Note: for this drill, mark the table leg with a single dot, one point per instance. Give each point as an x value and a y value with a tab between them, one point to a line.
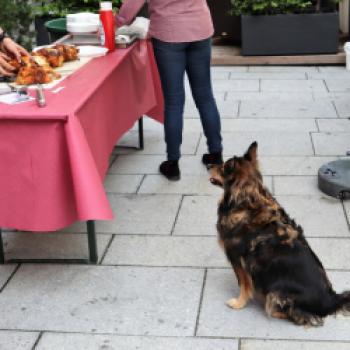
93	255
2	256
141	143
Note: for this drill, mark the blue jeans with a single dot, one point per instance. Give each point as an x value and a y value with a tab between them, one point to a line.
173	60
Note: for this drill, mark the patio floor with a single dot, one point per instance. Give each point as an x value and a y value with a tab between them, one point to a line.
162	281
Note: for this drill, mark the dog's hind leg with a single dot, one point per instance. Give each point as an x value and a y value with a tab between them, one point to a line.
246	289
306	319
276	306
282	307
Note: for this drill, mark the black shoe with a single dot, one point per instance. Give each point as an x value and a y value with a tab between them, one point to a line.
212	159
170	169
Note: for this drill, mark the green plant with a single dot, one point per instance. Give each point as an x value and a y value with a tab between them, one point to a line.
16	19
61	8
266	7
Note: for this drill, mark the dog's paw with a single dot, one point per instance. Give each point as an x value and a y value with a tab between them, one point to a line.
235	303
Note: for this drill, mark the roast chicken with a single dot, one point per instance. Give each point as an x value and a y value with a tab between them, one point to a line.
39	67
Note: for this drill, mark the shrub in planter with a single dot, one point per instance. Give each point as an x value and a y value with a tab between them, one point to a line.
60	8
16	19
280	27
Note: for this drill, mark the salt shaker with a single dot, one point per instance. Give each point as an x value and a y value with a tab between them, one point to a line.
40	96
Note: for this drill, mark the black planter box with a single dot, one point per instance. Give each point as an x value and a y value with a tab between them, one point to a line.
291	34
42	35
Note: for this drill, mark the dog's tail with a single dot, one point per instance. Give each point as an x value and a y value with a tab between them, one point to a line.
343	302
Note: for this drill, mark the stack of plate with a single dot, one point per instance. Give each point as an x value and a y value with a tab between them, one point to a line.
84	22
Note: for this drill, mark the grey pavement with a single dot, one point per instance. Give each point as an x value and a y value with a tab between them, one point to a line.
162	281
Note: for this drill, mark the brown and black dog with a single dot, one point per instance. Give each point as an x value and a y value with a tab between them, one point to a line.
267	249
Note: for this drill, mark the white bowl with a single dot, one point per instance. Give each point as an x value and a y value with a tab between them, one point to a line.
77	28
83	17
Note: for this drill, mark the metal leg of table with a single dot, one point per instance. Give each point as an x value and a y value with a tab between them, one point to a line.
92	244
2	256
93	254
141	143
141	138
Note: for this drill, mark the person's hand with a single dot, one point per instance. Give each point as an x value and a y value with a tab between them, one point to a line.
9	46
5	68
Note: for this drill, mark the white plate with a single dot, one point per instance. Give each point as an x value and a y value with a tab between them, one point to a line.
92	51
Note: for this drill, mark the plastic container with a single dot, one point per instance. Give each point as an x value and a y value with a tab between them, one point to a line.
107	27
347	52
83	22
57	28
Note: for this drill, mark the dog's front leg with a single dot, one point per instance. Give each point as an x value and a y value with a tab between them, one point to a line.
246	289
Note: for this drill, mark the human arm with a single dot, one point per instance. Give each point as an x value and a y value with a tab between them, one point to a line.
128	11
9	47
5	68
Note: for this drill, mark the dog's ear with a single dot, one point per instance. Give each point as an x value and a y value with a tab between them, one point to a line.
229	166
252	153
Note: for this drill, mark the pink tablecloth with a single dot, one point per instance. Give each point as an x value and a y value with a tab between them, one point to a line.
53	160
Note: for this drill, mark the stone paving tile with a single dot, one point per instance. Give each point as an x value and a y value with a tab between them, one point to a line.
332	69
335	85
292	345
296	185
188	185
273	143
343	107
189	165
197	216
332	96
218	320
165	251
24	245
229	68
283	109
341	125
154	142
333	252
219	95
217	75
292	165
289	96
287	69
103	299
269	75
5	272
227	109
320	216
342	75
11	340
260	124
331	143
293	85
136	164
60	341
236	85
137	214
122	183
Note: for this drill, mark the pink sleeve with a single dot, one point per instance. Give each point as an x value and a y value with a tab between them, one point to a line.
128	11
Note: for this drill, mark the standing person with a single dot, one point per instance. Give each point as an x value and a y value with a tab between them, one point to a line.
181	32
8	47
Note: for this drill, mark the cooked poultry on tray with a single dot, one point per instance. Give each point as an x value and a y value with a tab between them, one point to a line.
38	69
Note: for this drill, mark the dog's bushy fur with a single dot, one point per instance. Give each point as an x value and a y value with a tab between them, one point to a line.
267	249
